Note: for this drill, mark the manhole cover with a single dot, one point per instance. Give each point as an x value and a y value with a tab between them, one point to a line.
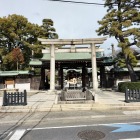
91	135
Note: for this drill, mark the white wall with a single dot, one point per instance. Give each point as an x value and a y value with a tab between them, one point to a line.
20	86
10	86
23	86
124	80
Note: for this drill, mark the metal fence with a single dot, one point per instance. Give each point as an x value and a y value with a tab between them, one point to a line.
14	98
132	95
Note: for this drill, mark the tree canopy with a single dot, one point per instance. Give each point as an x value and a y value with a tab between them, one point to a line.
122	22
17	32
49	31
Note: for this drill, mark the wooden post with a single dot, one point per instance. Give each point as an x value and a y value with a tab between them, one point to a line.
102	76
83	76
61	74
4	98
42	78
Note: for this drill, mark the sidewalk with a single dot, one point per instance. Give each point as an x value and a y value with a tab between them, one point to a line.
111	97
37	101
46	101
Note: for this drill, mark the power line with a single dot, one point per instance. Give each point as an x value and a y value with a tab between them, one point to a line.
78	2
88	3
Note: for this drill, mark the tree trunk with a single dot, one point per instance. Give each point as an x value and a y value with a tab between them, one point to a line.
132	73
17	65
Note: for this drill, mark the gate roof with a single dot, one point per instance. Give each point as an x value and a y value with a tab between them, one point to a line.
69	56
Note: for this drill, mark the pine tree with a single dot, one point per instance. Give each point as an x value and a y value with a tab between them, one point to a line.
49	31
122	22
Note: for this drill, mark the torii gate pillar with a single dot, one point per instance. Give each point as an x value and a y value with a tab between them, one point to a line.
52	68
94	66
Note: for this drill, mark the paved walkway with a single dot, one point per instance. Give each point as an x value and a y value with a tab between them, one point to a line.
46	101
111	97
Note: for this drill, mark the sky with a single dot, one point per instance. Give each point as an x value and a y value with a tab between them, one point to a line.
71	21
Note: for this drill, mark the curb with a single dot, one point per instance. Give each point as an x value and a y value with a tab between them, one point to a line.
70	118
69	107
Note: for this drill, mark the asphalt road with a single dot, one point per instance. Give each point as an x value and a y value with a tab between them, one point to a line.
87	132
75	125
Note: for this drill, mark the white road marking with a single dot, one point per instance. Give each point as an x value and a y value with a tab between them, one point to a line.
131	139
137	112
18	134
58	127
9	133
75	126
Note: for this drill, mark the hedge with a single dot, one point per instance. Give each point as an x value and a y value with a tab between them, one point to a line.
129	85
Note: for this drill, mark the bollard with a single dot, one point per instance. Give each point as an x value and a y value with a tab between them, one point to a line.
4	98
126	95
25	97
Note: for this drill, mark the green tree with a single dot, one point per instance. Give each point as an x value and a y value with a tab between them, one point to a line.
7	62
122	22
18	57
49	32
13	59
16	31
120	60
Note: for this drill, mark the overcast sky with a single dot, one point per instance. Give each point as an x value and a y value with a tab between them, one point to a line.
72	21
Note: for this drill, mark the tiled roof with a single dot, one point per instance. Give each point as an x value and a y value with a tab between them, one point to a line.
70	56
13	73
35	62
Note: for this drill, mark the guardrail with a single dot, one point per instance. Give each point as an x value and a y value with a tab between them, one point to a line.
132	95
14	98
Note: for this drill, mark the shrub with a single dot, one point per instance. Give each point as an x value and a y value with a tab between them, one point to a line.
129	85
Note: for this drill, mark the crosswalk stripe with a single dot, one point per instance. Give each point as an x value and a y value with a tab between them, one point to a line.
18	134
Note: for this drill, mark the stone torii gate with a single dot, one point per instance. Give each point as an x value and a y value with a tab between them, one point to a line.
53	49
